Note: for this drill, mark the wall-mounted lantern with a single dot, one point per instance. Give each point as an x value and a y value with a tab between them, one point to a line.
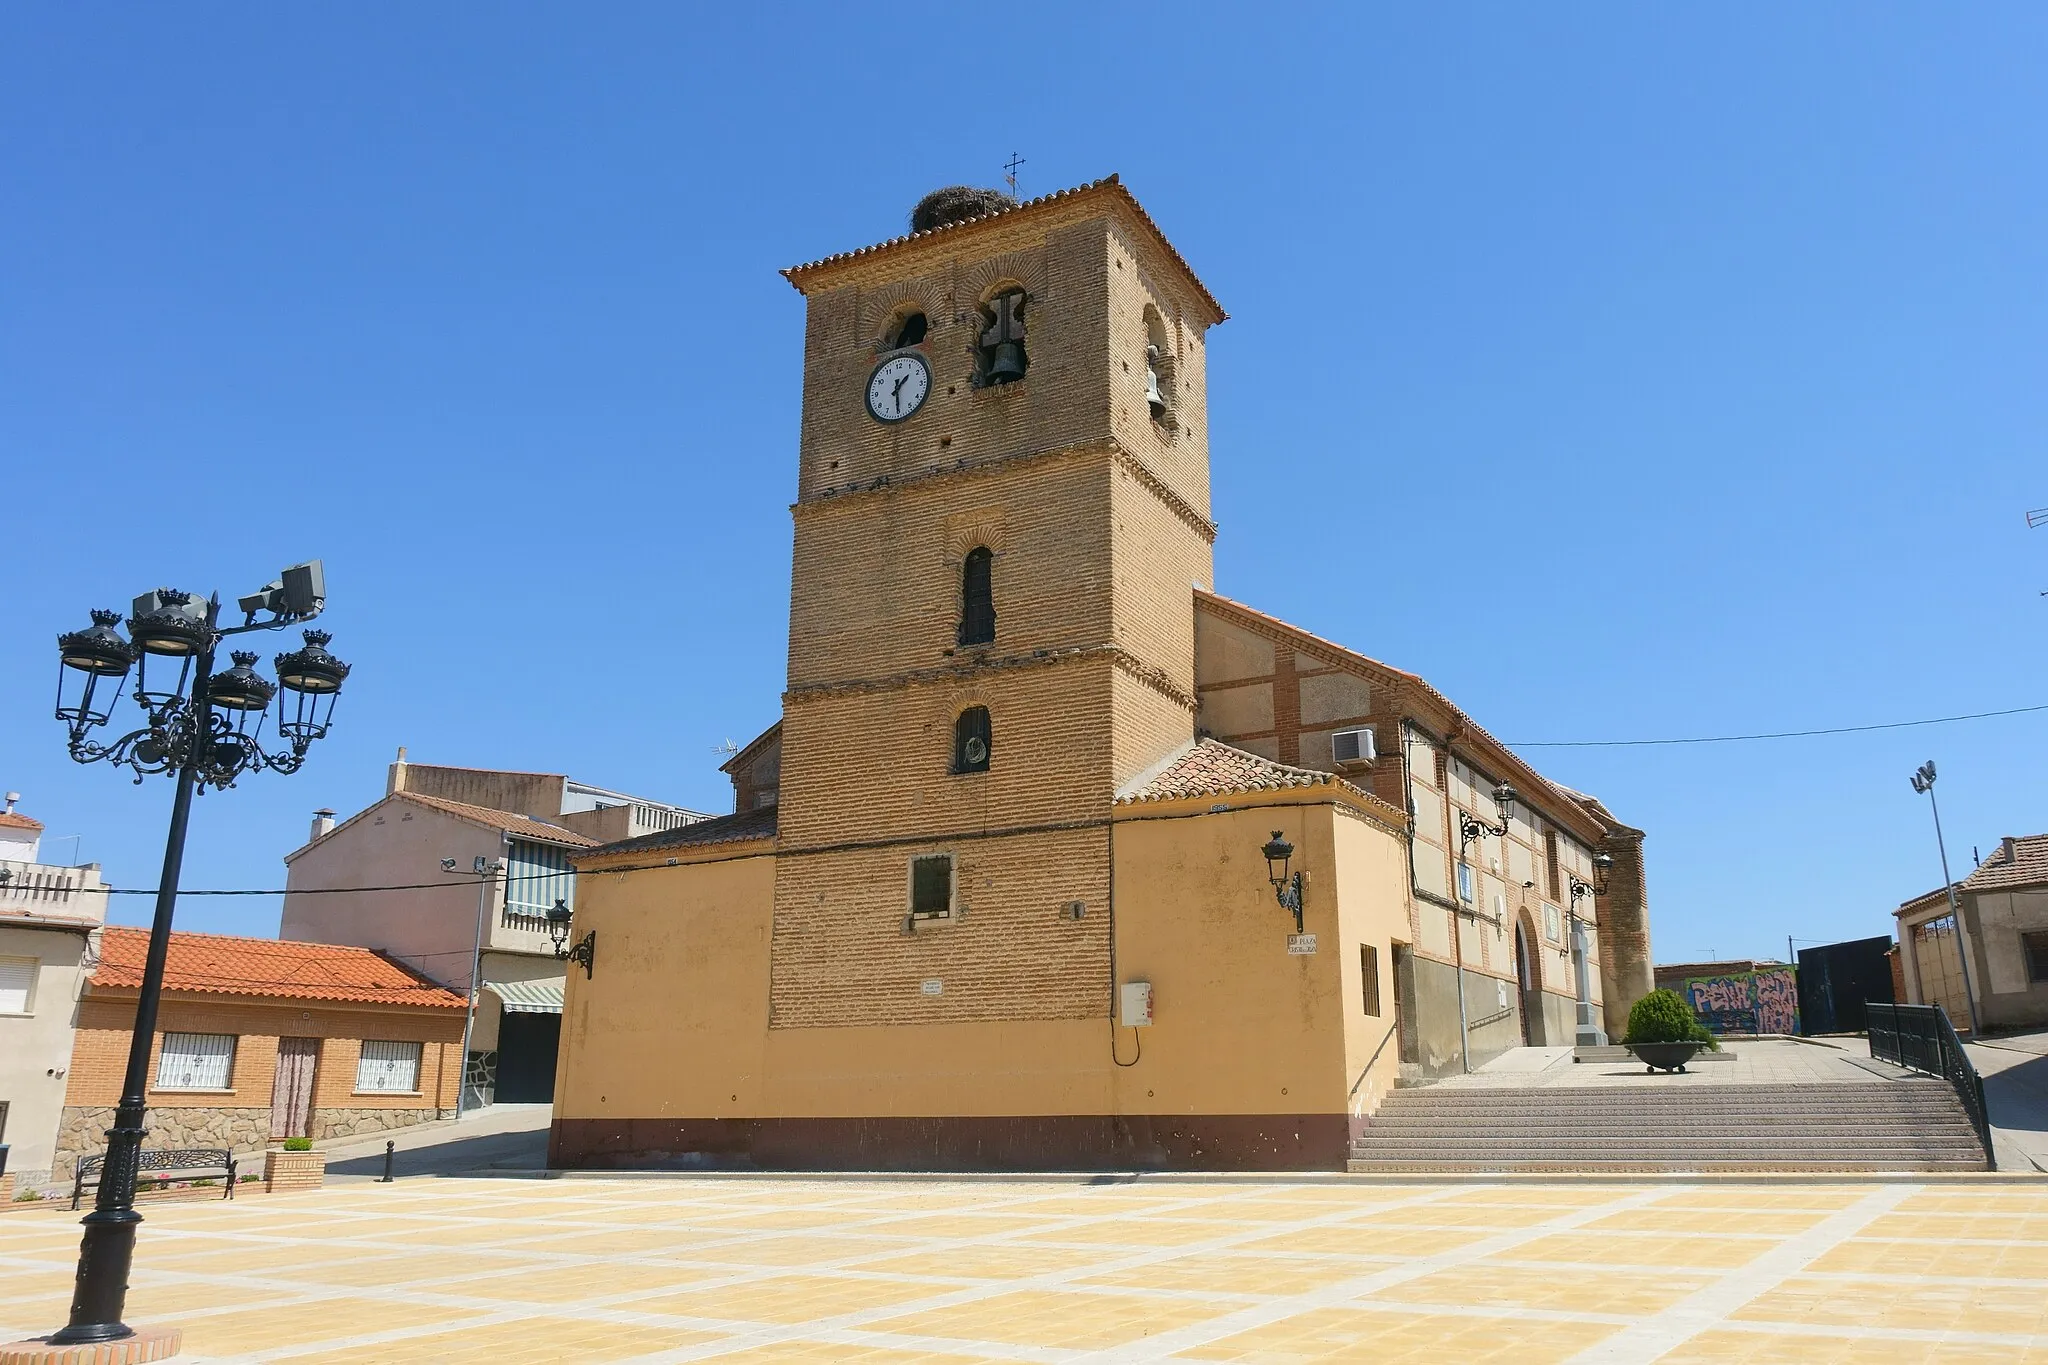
584	954
1286	885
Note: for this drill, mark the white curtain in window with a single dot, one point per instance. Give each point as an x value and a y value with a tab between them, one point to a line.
388	1067
17	984
195	1061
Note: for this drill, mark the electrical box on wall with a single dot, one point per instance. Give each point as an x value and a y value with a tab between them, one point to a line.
1137	1004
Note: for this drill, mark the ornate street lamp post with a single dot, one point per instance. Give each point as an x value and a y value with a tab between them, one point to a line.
206	729
1588	1029
1471	829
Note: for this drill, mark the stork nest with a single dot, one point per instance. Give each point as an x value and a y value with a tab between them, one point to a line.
957	204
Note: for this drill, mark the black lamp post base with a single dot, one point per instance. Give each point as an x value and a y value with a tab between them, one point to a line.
138	1348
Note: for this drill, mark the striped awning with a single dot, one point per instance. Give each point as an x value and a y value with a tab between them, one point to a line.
528	997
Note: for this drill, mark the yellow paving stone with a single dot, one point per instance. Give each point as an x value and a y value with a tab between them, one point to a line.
1367	1239
1805	1348
1002	1262
1349	1334
1496	1217
1777	1224
274	1326
1592	1249
1074	1321
1223	1272
1102	1205
1582	1291
151	1297
1963	1227
528	1342
1764	1198
1987	1260
1535	1196
789	1250
951	1225
1139	1232
1991	1200
839	1354
569	1284
627	1242
1896	1302
780	1219
789	1298
367	1268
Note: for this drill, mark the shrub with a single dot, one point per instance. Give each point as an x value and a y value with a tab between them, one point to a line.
298	1144
28	1197
246	1177
1664	1017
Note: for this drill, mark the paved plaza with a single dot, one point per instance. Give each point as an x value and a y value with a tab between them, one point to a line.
880	1272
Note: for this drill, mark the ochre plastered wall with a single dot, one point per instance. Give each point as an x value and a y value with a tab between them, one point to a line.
677	1024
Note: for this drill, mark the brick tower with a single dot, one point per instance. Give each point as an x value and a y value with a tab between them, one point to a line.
1002	512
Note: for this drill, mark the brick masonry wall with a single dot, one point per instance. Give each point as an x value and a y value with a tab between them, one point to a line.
232	1117
1626	973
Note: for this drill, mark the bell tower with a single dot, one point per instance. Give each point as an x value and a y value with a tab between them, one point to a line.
1002	513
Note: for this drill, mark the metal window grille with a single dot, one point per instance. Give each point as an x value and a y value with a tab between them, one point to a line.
17	984
386	1066
195	1061
931	886
1369	974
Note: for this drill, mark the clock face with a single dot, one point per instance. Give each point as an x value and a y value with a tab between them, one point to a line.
898	386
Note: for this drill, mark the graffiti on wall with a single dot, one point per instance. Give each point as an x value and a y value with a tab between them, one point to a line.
1747	1002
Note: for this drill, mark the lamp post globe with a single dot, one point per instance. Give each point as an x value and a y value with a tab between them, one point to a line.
1278	851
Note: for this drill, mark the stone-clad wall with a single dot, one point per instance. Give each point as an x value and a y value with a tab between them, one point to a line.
84	1132
334	1123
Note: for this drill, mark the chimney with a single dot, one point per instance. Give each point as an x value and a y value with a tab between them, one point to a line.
12	798
323	821
2012	855
397	782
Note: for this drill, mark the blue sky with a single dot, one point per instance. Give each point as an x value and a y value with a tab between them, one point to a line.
1628	371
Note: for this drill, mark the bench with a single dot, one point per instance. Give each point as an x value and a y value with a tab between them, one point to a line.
193	1161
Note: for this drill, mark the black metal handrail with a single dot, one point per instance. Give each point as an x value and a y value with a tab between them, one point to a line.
1921	1038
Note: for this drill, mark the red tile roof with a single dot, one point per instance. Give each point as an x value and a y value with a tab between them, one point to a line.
524	826
737	828
1212	768
219	964
2027	865
9	820
1110	184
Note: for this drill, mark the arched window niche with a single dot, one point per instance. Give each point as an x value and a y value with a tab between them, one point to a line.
971	741
907	328
999	355
977	597
1159	369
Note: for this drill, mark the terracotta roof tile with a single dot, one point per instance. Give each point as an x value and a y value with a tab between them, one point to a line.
9	820
2025	865
525	826
1212	768
1110	183
740	827
220	964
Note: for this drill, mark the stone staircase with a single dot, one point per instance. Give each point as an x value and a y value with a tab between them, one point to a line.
1881	1125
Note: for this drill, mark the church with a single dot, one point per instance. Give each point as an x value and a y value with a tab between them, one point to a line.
1058	858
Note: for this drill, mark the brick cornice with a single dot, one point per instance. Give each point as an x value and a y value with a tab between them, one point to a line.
963	670
963	469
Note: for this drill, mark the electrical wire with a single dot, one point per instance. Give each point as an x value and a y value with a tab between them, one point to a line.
1776	734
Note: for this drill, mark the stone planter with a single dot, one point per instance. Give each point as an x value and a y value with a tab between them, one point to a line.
1665	1056
293	1170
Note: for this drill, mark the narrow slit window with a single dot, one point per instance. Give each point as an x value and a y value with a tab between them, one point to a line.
977	598
931	886
971	741
1369	977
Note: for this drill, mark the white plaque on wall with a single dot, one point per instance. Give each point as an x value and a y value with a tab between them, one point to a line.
1300	944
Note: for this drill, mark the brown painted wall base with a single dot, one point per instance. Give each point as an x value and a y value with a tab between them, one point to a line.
1061	1142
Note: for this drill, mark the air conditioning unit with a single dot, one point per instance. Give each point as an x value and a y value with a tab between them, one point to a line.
1353	747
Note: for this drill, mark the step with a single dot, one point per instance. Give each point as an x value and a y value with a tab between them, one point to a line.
1817	1167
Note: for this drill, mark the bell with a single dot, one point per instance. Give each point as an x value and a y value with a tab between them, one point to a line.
1152	388
1007	364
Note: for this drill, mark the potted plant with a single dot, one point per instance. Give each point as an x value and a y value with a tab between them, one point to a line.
294	1167
1665	1034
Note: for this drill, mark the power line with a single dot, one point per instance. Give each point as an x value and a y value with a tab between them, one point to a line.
1775	734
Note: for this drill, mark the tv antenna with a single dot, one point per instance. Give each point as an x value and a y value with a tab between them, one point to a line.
2038	517
725	748
1010	179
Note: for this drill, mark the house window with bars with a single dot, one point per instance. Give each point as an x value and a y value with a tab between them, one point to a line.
195	1061
931	886
388	1068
